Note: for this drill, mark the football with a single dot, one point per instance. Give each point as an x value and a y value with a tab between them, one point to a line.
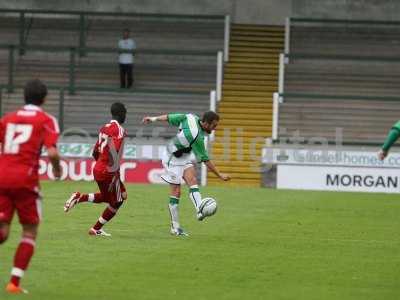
209	207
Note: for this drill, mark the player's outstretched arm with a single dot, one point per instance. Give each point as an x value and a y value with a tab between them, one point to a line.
55	161
149	119
210	165
391	138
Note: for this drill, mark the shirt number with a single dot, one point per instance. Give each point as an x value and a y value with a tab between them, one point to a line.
103	138
16	134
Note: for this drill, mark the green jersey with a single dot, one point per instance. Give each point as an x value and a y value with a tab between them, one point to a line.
190	136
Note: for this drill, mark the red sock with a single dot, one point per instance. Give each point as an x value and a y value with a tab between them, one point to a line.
22	258
107	215
95	198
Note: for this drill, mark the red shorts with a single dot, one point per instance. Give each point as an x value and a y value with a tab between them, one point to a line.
26	202
113	191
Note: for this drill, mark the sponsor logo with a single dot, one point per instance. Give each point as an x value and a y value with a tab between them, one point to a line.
356	180
82	169
382	180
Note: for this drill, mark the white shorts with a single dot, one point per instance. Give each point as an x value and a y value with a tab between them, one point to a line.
174	167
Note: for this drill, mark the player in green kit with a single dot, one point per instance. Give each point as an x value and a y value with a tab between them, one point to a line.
178	159
391	138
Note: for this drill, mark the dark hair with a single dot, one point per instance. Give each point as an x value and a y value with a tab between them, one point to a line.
118	111
210	116
127	30
34	92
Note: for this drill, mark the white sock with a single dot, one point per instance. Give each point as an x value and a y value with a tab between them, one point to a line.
173	211
195	196
90	197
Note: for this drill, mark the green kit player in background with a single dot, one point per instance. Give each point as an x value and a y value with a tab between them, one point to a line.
178	159
391	138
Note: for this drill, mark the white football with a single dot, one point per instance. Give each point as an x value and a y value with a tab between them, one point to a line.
209	207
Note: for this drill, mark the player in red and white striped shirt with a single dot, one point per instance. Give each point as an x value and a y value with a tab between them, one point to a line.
22	135
107	153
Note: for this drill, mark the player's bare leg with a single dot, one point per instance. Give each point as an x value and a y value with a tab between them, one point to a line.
173	206
77	197
190	178
22	258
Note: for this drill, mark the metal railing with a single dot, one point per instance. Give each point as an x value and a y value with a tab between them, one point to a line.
287	35
82	22
316	97
116	14
73	52
63	90
227	37
342	57
343	21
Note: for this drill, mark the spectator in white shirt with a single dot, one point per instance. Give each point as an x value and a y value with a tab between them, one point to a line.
126	47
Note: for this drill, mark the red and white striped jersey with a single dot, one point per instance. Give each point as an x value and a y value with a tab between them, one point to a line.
22	135
108	150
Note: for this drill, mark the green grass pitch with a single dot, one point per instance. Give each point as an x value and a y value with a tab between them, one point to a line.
261	244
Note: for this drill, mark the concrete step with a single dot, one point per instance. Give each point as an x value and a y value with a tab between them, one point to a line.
257	81
260	28
246	69
238	163
252	102
227	88
256	44
255	54
237	175
240	170
262	38
250	146
235	182
250	76
255	60
253	65
245	122
247	132
238	113
254	50
261	33
266	94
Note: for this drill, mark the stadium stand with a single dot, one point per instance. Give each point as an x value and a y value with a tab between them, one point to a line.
348	79
12	101
352	76
103	30
358	121
175	64
339	37
87	109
